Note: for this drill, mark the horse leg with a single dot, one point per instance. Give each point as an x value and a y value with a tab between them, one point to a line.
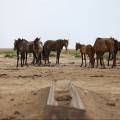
34	57
45	56
37	58
90	59
109	58
97	58
17	58
26	59
82	60
114	59
85	60
40	59
58	56
48	56
21	59
102	61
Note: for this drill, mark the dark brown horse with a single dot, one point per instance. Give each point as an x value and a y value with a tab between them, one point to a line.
86	50
56	45
22	47
103	45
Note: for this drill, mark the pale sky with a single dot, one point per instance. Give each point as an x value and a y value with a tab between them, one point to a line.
79	20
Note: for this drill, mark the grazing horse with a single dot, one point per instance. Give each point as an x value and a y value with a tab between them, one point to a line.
22	47
103	45
86	50
37	49
57	46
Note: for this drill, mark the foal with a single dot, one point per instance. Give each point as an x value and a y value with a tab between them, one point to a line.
86	50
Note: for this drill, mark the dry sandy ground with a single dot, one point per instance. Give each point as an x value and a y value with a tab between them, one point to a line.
24	91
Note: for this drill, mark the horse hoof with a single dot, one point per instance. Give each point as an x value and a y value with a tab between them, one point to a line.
26	64
113	66
80	65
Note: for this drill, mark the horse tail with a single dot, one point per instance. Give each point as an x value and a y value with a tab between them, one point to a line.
115	46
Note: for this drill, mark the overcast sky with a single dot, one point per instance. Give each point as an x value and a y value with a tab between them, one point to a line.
79	20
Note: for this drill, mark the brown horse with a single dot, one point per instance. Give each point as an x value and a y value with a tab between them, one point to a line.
103	45
22	47
56	45
86	50
37	49
110	55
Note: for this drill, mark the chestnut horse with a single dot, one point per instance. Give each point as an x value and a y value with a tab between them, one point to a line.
110	55
86	50
37	49
103	45
56	45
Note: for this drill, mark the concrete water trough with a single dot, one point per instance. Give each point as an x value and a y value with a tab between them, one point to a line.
64	103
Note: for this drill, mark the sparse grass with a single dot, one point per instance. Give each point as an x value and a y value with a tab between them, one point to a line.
118	57
8	53
72	52
53	54
106	55
77	55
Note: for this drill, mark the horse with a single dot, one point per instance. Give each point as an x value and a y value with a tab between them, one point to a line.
86	50
110	55
22	46
103	45
37	49
51	45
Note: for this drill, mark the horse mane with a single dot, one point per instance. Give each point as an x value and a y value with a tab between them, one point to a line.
98	38
80	44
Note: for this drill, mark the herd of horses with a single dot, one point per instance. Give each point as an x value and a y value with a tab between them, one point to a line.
42	52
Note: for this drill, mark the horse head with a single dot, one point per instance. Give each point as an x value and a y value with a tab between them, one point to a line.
77	46
116	44
37	40
37	46
65	42
16	43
